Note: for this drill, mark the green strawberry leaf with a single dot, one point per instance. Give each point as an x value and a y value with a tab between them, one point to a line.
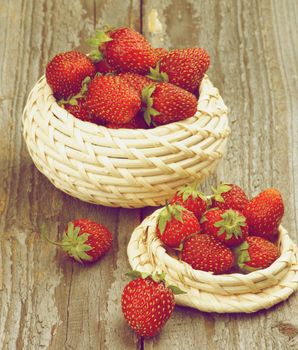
217	192
136	274
176	290
156	75
231	224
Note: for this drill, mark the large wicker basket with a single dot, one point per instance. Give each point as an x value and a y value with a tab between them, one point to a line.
123	168
216	293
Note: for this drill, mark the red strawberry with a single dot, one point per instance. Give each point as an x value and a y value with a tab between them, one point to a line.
103	67
264	213
66	72
137	122
228	226
182	67
167	103
111	100
137	81
229	196
256	253
174	224
85	240
161	53
191	199
79	110
147	305
124	49
204	252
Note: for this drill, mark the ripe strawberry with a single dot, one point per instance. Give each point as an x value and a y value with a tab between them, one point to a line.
228	226
137	81
85	241
161	52
124	49
182	67
256	253
147	304
264	213
111	100
80	111
174	224
191	199
66	72
229	196
137	122
103	67
167	103
204	252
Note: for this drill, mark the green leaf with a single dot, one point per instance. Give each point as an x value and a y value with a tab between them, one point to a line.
176	290
137	274
156	75
73	102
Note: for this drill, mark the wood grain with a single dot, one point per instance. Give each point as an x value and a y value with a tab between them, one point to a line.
48	302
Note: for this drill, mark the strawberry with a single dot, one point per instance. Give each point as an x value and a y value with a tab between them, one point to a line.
137	81
191	199
112	100
137	122
174	224
228	226
264	213
85	241
103	67
166	103
148	302
229	196
124	49
256	253
160	52
66	72
182	67
79	110
204	252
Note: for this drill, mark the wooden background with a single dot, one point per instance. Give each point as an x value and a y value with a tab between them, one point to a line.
48	302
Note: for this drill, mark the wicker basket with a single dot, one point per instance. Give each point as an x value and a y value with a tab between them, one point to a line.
216	293
120	167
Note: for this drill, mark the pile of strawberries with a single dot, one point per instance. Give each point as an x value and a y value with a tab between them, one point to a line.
224	232
126	83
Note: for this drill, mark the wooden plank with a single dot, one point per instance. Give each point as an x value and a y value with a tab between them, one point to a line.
254	65
48	301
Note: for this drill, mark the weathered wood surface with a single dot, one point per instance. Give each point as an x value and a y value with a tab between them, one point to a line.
48	302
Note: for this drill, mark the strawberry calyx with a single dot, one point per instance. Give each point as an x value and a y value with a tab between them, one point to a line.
242	257
73	100
191	190
156	277
217	192
169	212
230	224
100	38
156	75
73	243
147	100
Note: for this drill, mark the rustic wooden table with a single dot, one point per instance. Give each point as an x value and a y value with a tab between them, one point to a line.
49	302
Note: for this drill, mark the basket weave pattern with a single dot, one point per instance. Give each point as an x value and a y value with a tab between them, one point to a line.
216	293
120	167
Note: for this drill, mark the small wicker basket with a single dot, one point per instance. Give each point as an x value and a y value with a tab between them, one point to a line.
121	167
216	293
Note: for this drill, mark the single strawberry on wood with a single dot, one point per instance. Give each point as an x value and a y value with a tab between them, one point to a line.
227	226
124	49
192	199
85	241
174	224
166	103
204	252
112	100
264	213
255	253
182	67
66	72
229	196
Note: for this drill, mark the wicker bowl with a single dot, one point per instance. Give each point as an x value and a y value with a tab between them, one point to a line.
216	293
121	167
